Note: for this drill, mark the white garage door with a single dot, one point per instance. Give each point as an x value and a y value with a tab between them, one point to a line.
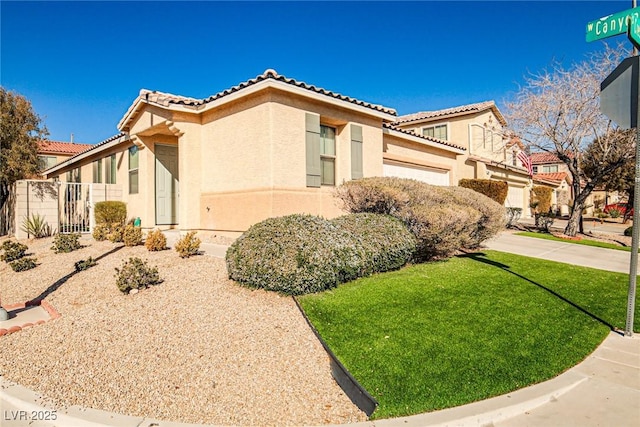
515	197
430	176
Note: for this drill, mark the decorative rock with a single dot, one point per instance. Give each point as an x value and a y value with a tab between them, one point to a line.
133	291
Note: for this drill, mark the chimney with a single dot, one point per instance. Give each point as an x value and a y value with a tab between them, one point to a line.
72	138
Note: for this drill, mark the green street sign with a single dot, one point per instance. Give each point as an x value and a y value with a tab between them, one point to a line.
611	25
634	33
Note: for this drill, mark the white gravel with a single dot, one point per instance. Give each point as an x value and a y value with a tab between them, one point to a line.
197	348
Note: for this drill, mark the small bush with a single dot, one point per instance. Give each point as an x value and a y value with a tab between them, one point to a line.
132	235
85	264
513	216
100	232
23	264
136	274
156	241
542	195
110	212
628	231
615	213
294	255
188	245
116	233
12	251
495	190
36	226
64	243
544	220
385	241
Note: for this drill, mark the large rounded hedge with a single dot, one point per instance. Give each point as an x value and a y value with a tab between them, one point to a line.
299	254
443	219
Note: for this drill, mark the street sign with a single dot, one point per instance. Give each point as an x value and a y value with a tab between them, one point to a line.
611	25
634	33
619	93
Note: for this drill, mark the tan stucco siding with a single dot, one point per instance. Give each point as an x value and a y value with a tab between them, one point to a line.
400	151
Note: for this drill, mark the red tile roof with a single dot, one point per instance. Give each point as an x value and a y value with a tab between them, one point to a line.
58	147
544	157
470	108
553	176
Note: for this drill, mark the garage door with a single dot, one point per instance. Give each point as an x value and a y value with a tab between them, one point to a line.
428	175
515	197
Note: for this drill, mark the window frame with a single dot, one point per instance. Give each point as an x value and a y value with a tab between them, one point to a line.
134	153
43	161
434	127
326	158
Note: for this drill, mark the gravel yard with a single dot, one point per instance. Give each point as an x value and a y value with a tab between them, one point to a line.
196	348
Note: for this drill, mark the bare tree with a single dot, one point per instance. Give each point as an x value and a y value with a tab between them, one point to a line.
558	111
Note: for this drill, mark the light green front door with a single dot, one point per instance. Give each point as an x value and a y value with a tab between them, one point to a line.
167	184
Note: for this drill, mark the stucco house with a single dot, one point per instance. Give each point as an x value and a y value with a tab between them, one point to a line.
50	153
490	152
267	147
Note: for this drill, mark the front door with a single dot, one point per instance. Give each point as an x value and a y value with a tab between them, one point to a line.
167	190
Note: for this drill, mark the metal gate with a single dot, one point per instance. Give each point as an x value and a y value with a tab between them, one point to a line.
75	208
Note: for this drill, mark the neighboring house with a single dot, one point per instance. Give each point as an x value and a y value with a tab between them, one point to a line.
267	147
50	153
490	153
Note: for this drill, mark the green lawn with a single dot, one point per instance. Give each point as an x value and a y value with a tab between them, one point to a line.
585	242
443	334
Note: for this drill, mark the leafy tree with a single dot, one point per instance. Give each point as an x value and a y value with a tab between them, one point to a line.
20	131
558	111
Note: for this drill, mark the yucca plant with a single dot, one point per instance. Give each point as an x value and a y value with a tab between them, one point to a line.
36	226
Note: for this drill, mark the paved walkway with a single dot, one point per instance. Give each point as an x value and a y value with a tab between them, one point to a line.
603	390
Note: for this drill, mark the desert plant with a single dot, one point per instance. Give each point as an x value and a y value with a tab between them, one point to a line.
615	213
110	212
132	235
513	215
628	231
12	250
294	254
23	264
64	243
136	274
156	241
188	245
386	242
443	219
544	220
85	264
100	232
116	233
36	226
495	190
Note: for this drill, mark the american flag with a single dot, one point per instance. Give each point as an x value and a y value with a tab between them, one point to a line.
526	162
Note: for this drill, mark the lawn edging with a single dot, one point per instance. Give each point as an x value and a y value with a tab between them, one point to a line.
351	387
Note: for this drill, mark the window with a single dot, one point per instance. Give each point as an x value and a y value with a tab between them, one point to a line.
437	131
549	168
46	162
327	155
535	169
73	175
97	171
133	170
110	169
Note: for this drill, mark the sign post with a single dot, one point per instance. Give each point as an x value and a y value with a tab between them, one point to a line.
619	100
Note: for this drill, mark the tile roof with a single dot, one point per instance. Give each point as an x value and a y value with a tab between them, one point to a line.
545	157
58	147
553	176
469	108
428	138
166	98
92	147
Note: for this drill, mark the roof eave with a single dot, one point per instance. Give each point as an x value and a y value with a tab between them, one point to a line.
423	141
118	139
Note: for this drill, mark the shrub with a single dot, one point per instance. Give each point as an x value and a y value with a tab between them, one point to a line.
136	274
23	264
156	241
615	213
64	243
100	232
116	233
12	250
513	215
628	231
294	254
36	226
443	219
386	242
542	195
110	212
132	235
188	245
495	190
544	220
85	264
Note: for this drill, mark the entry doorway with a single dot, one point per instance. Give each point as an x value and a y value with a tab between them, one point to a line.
167	184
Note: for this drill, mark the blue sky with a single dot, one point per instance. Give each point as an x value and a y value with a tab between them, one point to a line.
82	64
